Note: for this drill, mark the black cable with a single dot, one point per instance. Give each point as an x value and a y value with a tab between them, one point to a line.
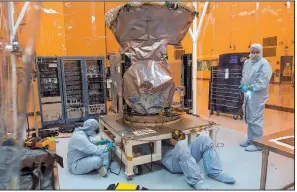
110	161
150	169
220	145
56	123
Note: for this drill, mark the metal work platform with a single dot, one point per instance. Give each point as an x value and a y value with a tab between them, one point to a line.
113	127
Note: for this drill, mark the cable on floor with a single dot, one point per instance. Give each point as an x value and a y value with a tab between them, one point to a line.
151	148
111	160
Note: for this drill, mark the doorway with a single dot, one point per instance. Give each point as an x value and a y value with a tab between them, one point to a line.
286	69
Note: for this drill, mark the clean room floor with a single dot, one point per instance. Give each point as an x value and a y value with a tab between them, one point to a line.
274	121
244	166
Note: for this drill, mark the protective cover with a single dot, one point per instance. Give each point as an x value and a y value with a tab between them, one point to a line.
37	169
143	31
17	52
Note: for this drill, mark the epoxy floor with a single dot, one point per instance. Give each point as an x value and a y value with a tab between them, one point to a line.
244	166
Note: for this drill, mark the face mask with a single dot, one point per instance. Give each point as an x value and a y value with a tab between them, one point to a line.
90	132
255	57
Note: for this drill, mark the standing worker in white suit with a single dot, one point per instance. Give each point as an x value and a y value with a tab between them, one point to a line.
256	75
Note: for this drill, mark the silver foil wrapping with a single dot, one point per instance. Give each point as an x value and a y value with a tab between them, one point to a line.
143	31
148	86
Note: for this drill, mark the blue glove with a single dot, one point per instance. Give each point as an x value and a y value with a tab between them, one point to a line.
103	142
250	91
243	88
110	146
250	88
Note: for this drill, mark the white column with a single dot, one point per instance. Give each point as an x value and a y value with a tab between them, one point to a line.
195	35
13	70
194	62
20	18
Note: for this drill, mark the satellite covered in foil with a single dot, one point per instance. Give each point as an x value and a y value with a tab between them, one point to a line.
143	30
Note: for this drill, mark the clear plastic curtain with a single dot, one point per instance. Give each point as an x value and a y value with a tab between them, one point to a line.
17	50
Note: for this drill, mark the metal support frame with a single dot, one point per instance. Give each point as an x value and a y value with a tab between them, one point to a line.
211	131
125	152
195	35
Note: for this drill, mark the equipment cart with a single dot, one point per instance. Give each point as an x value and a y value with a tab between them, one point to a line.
114	128
224	93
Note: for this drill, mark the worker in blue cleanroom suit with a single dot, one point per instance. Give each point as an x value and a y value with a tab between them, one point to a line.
179	157
184	158
256	75
84	153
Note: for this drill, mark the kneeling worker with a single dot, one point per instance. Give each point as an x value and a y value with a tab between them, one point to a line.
84	153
